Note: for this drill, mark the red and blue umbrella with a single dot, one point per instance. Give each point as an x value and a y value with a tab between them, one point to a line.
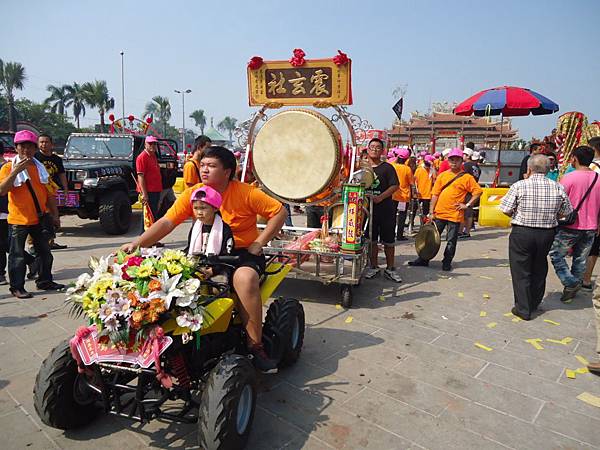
507	101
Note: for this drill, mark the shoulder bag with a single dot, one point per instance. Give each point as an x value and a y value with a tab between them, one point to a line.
46	219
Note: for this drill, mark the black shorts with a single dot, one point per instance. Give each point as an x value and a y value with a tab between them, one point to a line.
384	228
595	251
247	259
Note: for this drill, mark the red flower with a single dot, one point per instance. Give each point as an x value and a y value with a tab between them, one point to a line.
340	59
131	118
255	62
111	117
134	261
148	120
298	58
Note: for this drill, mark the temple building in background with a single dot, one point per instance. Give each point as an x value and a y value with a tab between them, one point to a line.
441	129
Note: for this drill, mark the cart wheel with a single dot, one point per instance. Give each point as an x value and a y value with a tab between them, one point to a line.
347	296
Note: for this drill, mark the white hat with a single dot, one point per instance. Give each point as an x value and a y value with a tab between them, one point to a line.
467	151
446	151
475	156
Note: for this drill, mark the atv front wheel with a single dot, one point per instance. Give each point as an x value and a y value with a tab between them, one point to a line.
115	212
227	405
283	331
60	397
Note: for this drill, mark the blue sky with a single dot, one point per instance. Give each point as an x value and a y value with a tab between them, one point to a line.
441	50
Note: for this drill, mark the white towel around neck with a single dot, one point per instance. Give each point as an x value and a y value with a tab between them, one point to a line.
215	238
23	176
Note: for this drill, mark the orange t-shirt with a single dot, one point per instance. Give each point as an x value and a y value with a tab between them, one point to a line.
191	173
21	209
424	182
405	180
445	208
241	204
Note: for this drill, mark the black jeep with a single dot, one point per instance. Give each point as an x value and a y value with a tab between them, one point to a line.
102	178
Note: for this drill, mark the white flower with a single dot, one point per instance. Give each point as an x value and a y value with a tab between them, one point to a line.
191	321
100	267
190	286
83	282
106	312
153	252
123	307
113	296
112	323
117	272
168	290
185	300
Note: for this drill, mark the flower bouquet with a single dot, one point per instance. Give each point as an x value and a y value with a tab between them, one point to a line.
128	296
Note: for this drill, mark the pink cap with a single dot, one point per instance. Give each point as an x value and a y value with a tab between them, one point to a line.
429	158
403	153
25	136
455	152
151	139
207	195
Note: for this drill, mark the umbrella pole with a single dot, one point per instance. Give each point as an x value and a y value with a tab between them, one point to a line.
499	164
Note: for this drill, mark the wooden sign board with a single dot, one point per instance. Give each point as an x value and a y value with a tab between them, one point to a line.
316	81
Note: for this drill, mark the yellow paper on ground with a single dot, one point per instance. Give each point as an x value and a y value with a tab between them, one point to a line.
482	314
516	319
582	370
590	399
570	373
552	322
582	360
485	277
338	306
461	295
486	295
483	347
381	298
348	319
509	314
491	325
535	343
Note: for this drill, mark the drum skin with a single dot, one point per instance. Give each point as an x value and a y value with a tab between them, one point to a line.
297	156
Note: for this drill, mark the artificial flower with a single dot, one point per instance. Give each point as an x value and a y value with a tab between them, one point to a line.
341	58
123	307
174	268
255	63
106	311
154	285
112	323
190	286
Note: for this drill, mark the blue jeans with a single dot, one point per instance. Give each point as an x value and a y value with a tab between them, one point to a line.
581	242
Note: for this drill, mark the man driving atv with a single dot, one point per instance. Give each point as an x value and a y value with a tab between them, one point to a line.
241	205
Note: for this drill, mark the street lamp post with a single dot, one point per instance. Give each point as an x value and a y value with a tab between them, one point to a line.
182	92
123	82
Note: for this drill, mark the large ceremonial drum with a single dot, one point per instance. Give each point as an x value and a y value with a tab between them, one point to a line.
297	156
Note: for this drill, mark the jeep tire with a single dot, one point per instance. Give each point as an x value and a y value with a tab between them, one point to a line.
115	212
283	331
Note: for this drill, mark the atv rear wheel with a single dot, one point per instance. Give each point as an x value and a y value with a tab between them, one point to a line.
283	331
60	397
227	405
115	212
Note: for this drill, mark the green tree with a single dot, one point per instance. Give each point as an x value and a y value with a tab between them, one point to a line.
199	118
97	96
161	108
12	77
77	99
58	99
522	143
228	124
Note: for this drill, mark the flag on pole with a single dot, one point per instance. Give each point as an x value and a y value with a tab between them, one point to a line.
397	108
148	216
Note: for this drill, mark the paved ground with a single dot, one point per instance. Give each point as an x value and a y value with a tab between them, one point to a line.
399	371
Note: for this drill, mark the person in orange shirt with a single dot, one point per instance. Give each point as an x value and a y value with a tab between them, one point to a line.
191	169
424	179
241	204
402	196
447	202
26	180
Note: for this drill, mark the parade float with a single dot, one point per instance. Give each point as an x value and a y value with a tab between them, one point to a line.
296	153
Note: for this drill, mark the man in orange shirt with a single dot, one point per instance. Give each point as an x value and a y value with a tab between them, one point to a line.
191	169
449	192
402	196
424	179
25	180
241	204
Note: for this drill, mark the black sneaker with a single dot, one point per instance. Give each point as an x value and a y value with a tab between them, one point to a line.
50	286
261	360
446	267
569	293
419	263
56	246
3	281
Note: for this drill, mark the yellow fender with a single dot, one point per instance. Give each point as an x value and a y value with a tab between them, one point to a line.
272	281
216	319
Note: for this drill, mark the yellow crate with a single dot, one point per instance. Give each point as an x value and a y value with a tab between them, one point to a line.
490	214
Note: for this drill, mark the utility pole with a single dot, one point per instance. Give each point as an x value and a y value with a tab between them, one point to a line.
183	92
123	83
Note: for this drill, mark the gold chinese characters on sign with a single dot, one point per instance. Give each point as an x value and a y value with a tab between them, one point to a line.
316	81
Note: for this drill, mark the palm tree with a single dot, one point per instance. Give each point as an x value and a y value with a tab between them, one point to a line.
77	100
199	118
58	99
228	124
12	77
96	96
161	107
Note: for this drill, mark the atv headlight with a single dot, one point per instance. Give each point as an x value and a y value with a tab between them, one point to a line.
80	175
90	182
